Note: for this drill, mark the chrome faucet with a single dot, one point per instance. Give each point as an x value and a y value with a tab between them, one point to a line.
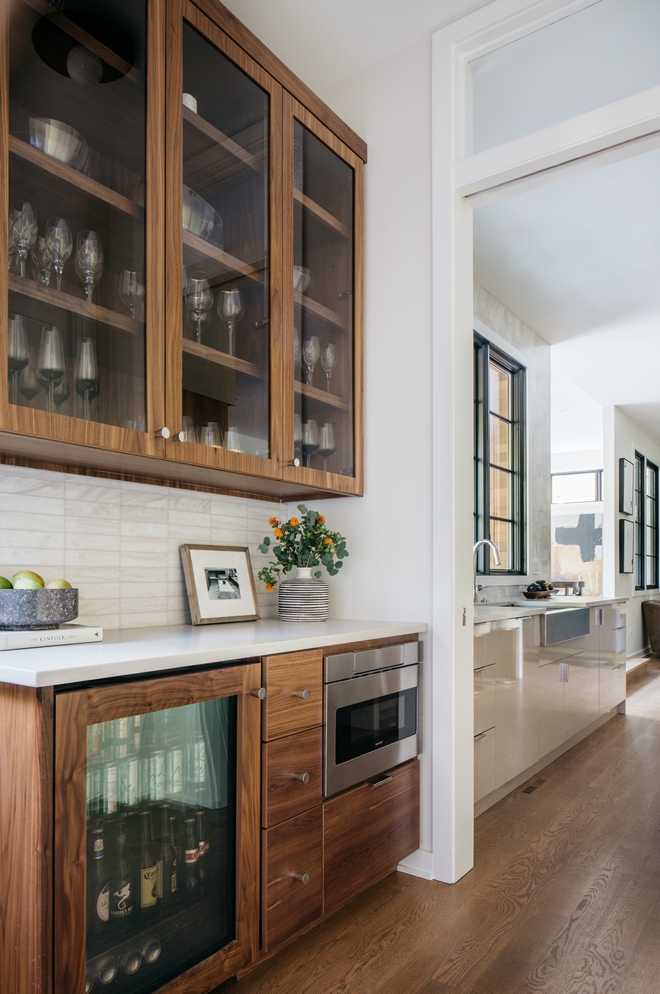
496	557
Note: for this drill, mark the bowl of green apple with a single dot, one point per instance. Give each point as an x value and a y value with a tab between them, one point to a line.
27	603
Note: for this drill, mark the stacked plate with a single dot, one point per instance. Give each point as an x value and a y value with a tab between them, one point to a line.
304	599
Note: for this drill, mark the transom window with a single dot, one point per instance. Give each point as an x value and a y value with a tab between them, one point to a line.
499	458
577	488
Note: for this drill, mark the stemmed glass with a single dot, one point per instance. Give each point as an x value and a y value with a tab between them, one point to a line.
328	361
87	384
42	260
51	359
310	355
131	289
61	392
310	439
27	380
199	300
327	444
24	227
230	307
60	246
297	347
18	352
89	260
297	435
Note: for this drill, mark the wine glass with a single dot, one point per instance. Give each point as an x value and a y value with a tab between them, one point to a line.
131	289
27	378
327	444
199	299
60	245
89	260
24	227
297	347
310	439
51	359
297	435
42	260
328	361
87	384
230	307
310	355
17	350
61	392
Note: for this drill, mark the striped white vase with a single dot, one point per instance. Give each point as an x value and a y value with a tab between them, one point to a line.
304	598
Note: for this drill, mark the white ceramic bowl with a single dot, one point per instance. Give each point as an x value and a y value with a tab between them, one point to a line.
57	139
301	279
199	218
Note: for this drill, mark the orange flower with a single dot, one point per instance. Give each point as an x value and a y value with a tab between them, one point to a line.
293	521
272	521
321	518
328	541
269	587
278	533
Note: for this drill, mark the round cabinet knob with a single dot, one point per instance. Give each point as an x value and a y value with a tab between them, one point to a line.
163	433
303	777
305	694
259	692
294	462
181	436
302	878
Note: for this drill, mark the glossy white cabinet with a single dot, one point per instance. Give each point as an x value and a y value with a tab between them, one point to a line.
517	698
612	657
485	744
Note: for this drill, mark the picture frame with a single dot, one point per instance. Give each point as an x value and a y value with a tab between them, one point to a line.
219	583
626	485
626	545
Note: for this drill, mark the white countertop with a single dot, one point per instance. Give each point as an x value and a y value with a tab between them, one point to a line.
526	608
135	651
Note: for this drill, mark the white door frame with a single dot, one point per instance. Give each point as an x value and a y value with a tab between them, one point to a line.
460	182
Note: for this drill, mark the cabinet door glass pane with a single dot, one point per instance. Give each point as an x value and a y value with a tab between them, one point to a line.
225	252
76	210
323	310
161	868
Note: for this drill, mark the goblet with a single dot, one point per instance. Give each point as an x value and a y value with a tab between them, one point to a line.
60	245
27	379
328	361
89	260
17	350
42	260
310	439
327	444
87	384
51	359
61	391
24	227
199	299
310	355
131	289
230	307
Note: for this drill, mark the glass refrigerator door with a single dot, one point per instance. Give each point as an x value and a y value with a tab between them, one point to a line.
161	865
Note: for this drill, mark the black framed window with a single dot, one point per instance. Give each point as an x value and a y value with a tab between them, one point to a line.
577	487
499	458
645	516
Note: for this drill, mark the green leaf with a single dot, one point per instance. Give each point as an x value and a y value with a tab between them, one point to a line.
302	508
318	574
267	540
339	565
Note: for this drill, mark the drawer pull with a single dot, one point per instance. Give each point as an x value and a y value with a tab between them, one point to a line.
305	694
381	778
481	735
303	777
479	669
302	878
259	692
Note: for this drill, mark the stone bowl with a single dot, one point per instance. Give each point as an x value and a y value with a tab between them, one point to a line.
34	610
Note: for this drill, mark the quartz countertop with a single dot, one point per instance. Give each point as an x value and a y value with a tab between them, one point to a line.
129	652
524	608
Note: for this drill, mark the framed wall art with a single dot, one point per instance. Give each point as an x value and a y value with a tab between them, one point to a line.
626	486
626	545
219	583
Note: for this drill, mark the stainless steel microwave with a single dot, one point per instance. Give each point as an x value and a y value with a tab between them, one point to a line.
372	703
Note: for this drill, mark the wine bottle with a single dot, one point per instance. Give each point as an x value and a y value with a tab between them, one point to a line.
98	887
148	867
191	857
166	860
121	889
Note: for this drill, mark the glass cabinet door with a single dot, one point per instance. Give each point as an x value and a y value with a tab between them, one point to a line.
161	865
326	192
78	273
222	392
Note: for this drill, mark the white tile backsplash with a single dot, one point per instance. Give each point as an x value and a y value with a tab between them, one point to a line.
119	542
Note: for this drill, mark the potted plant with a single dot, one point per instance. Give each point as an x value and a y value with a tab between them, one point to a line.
303	543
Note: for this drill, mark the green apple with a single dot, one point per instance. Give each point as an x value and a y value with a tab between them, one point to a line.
4	583
58	585
25	579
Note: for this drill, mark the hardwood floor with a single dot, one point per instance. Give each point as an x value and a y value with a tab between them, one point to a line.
564	897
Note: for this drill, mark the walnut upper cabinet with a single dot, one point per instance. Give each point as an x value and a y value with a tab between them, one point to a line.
184	268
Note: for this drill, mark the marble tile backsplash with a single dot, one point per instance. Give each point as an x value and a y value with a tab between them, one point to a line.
118	542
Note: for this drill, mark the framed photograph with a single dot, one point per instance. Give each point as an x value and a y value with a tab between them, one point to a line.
626	486
219	583
626	545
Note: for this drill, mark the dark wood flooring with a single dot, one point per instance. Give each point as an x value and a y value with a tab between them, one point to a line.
564	897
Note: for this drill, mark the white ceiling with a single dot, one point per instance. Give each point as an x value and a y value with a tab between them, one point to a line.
579	262
326	41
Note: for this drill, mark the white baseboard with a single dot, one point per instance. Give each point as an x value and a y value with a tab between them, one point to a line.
418	864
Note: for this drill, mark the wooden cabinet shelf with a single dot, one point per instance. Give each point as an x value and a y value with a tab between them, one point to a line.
223	141
75	305
321	396
213	261
319	311
330	222
222	359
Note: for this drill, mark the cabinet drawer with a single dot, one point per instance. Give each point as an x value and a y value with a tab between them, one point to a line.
484	697
289	852
367	831
294	701
286	764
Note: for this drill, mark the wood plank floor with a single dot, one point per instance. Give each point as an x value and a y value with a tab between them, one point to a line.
564	897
